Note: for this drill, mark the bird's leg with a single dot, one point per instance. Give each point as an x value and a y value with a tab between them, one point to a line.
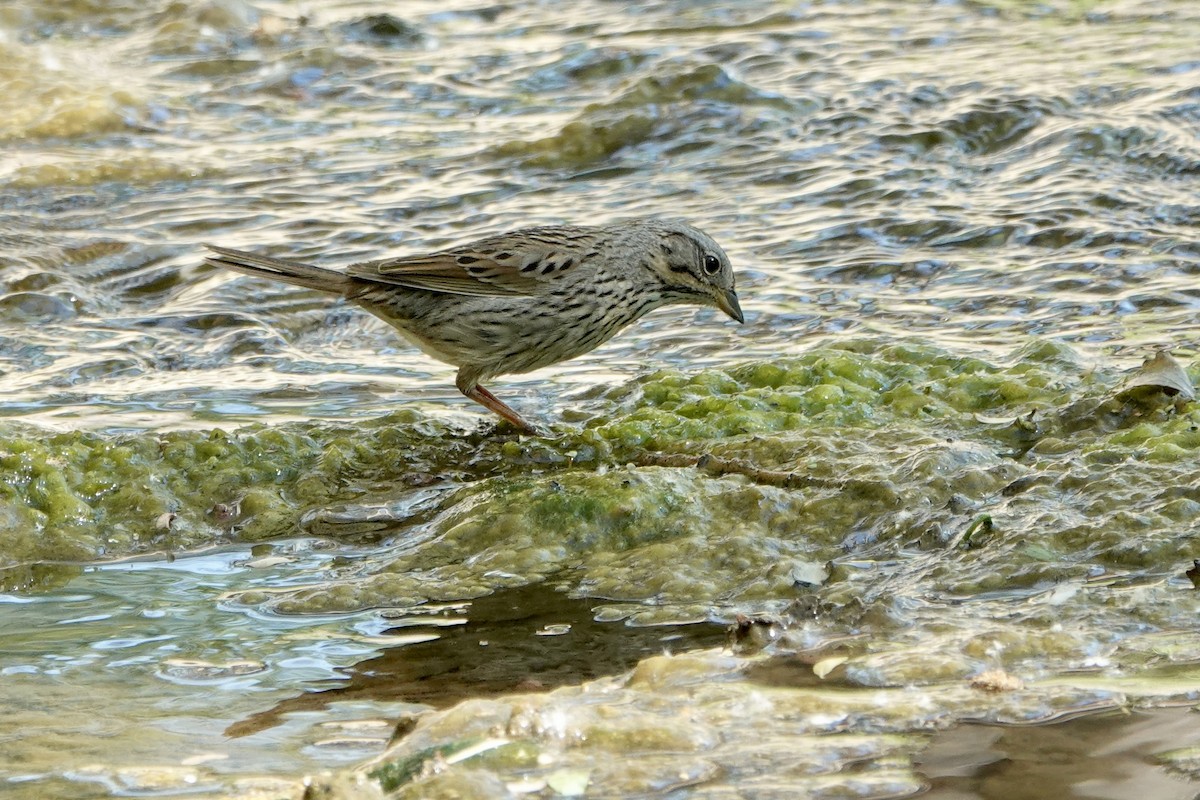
488	400
495	404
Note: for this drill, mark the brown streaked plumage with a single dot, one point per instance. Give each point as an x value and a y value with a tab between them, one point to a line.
522	300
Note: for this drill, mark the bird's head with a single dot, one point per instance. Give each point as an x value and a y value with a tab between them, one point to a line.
692	268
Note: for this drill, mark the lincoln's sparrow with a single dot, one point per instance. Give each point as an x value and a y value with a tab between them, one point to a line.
526	299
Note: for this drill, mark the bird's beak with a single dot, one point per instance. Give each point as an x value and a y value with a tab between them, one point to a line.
727	301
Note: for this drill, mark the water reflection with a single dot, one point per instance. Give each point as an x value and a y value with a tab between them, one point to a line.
1110	756
526	639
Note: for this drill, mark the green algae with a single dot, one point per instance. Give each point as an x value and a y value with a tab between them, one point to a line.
82	495
871	433
838	388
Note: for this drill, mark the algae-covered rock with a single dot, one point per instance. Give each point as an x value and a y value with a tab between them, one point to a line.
73	496
612	529
850	448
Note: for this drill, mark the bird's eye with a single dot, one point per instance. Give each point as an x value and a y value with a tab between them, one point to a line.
712	264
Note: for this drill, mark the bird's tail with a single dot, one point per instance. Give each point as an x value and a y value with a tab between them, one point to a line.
327	280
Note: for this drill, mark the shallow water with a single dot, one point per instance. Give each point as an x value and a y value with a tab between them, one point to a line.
991	203
971	172
135	654
196	694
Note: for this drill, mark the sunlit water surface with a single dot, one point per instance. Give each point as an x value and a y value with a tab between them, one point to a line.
972	173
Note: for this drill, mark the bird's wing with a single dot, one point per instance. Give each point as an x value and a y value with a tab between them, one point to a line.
524	262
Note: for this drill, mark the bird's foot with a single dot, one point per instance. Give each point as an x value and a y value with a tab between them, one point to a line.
492	403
